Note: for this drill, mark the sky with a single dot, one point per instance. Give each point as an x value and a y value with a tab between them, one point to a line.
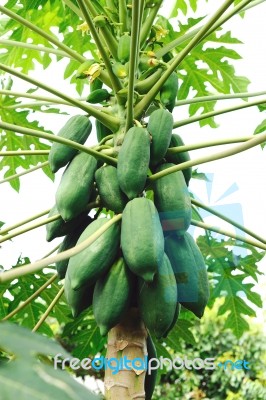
238	183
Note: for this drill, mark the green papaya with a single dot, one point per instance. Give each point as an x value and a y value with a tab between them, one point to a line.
95	84
84	67
70	241
160	127
112	294
172	199
142	239
110	193
101	130
87	266
120	70
78	300
168	92
133	161
157	300
123	48
78	129
176	315
178	158
150	379
97	96
59	227
190	272
76	186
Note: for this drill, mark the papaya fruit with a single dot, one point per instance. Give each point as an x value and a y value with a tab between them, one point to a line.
111	297
190	272
158	299
101	130
150	379
176	315
97	96
168	92
178	158
87	266
171	197
78	300
120	70
78	129
59	227
70	241
142	239
95	85
84	67
110	193
160	127
133	161
76	186
123	48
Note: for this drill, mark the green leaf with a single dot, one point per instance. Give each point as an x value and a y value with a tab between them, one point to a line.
261	128
181	331
26	378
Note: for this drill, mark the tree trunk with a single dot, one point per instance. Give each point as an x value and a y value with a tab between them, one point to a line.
127	340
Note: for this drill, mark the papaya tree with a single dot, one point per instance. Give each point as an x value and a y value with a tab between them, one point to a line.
126	280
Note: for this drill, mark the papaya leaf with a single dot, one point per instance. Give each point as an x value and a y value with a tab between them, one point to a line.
26	378
229	272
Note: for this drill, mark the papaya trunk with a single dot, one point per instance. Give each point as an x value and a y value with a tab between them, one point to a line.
127	341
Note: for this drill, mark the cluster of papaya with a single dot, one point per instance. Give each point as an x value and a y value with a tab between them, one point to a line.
147	259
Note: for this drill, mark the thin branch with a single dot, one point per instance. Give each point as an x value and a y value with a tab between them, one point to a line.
28	171
148	98
36	266
134	50
105	34
255	141
24	153
114	80
36	97
38	224
42	33
213	97
210	143
228	233
146	27
184	38
253	4
109	121
31	298
29	46
74	8
210	114
58	139
229	220
24	221
49	309
52	251
122	6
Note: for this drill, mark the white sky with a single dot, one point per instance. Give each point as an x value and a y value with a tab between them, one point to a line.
245	171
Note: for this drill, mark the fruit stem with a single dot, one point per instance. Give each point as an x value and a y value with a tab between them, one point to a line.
229	220
36	266
122	6
175	62
42	33
147	25
31	298
49	309
228	233
210	114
